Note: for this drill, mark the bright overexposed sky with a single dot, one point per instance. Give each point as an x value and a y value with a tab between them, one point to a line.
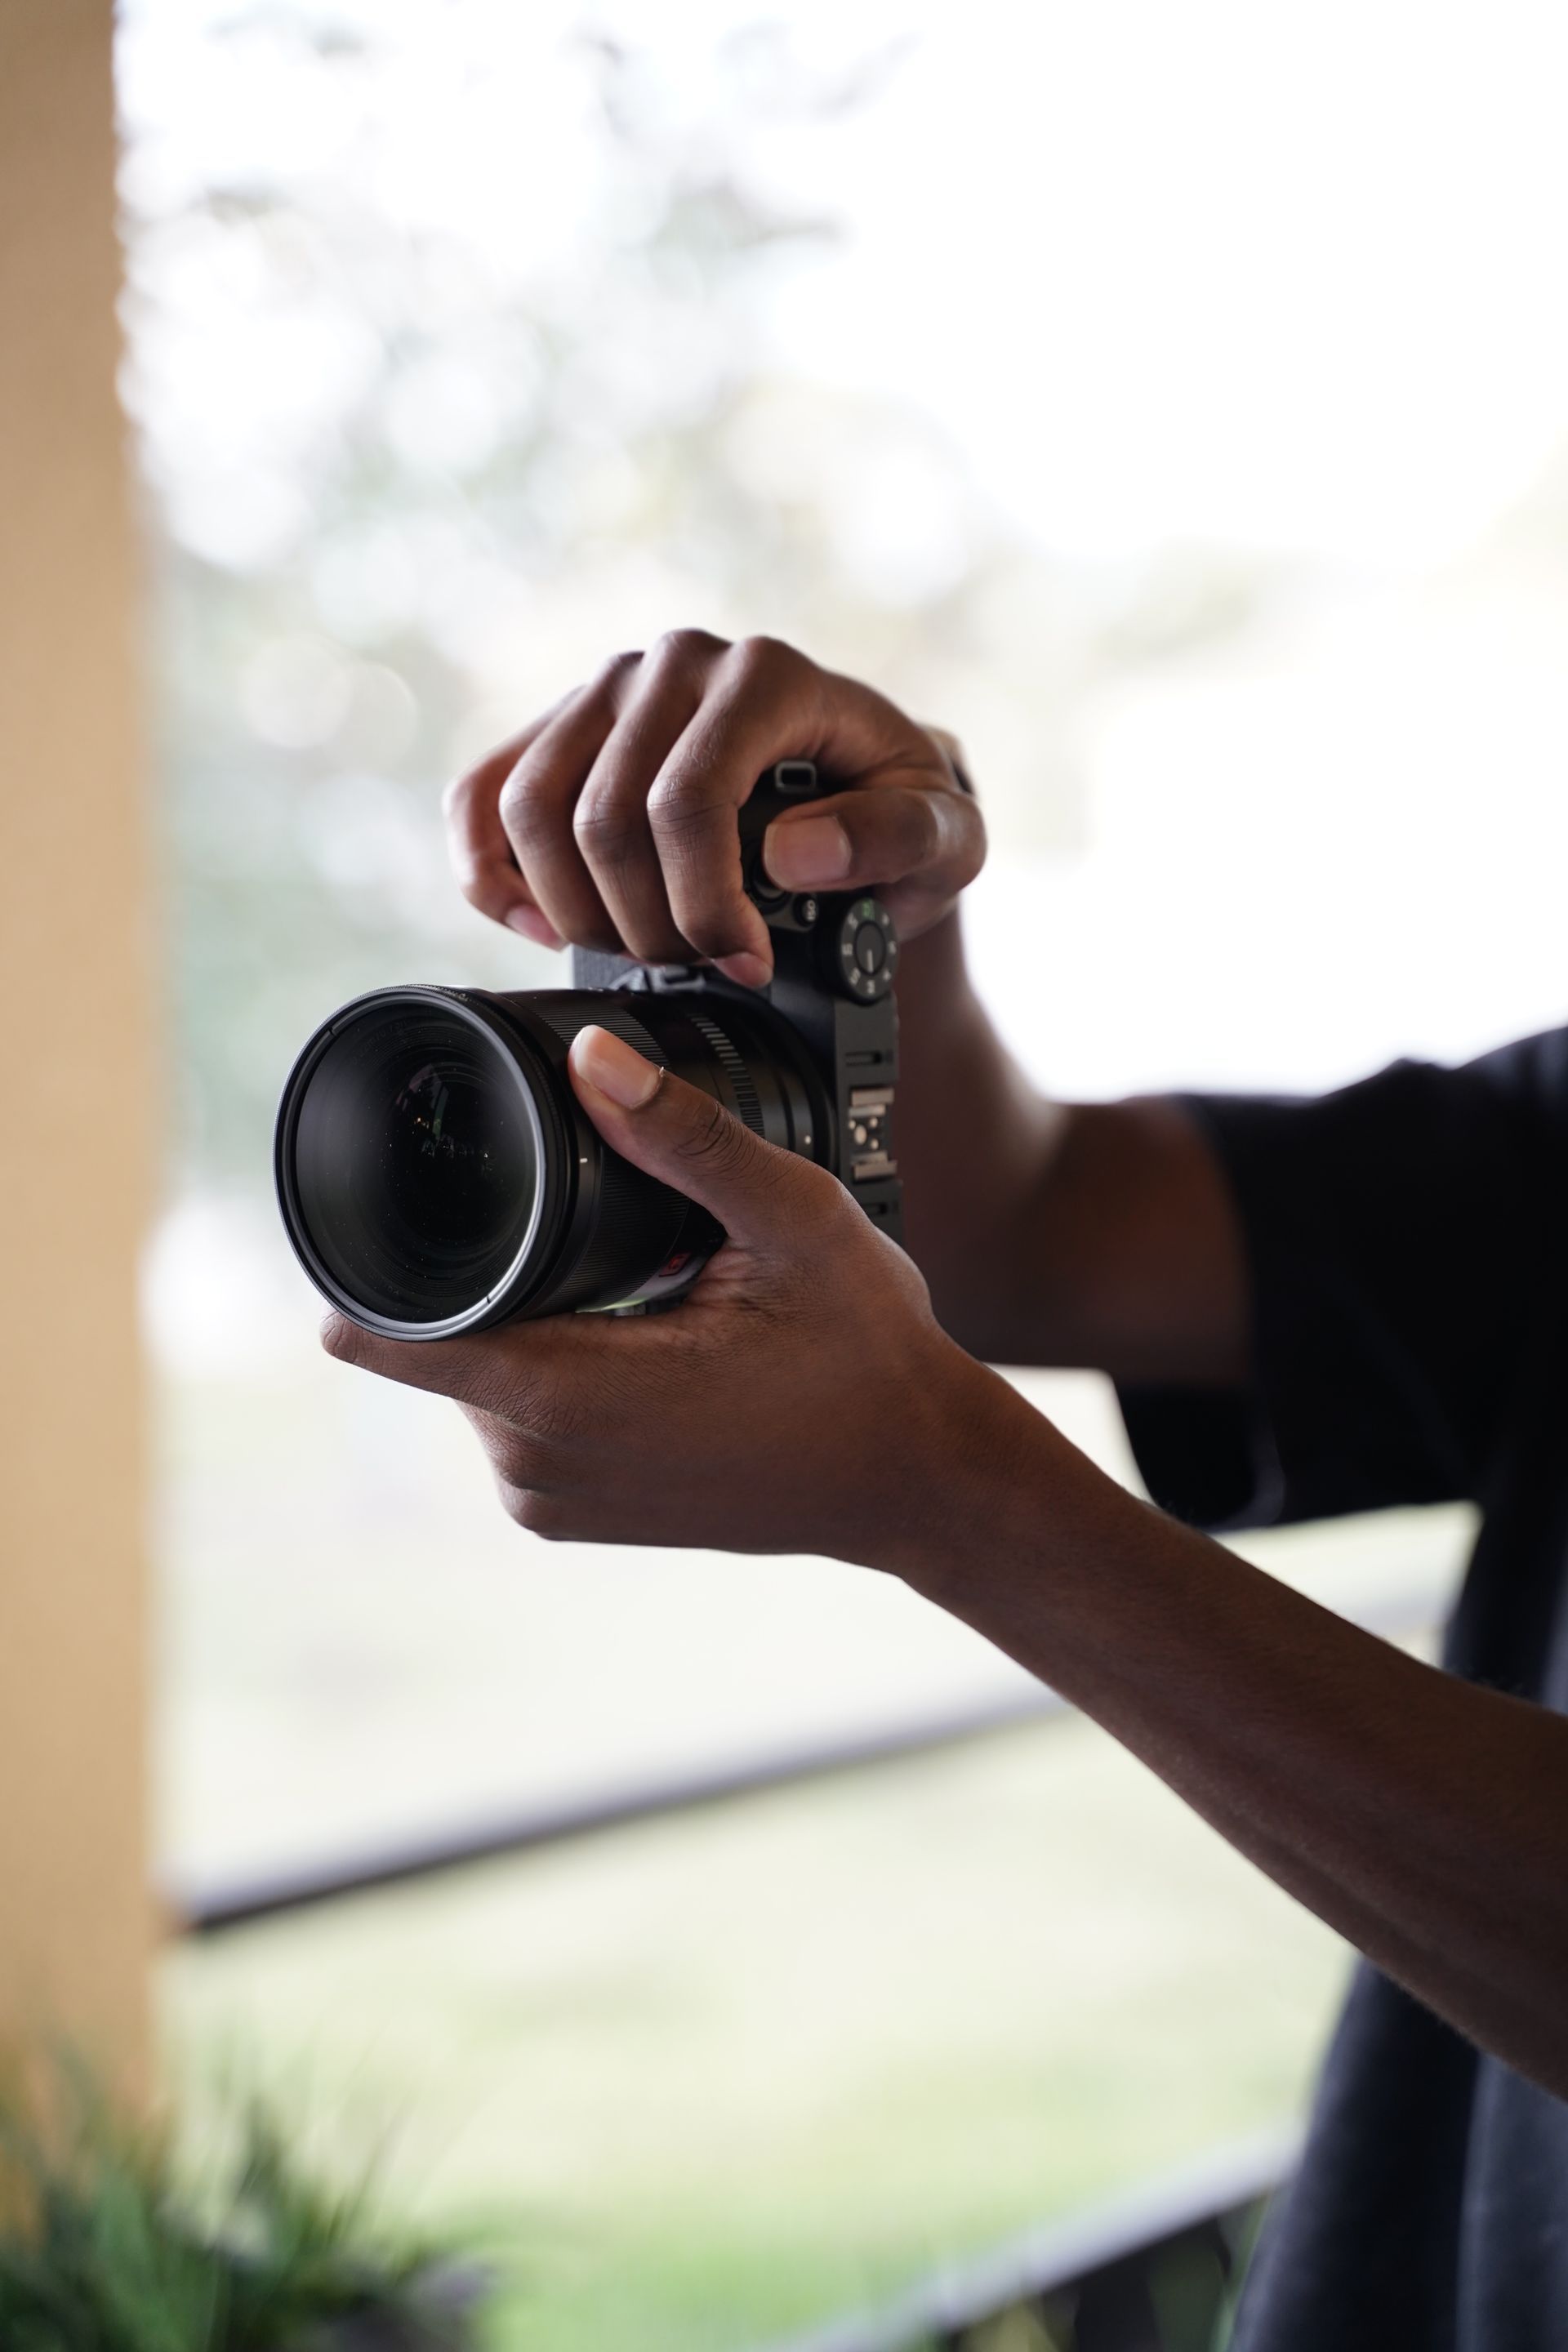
1286	277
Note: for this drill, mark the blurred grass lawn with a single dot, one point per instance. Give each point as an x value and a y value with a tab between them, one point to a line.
714	2078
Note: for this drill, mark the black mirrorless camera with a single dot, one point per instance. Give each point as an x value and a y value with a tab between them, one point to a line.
436	1173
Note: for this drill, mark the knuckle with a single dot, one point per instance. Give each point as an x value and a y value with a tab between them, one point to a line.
517	792
606	825
762	657
688	649
615	673
680	802
527	813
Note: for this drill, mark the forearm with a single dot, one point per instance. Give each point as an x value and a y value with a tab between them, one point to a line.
1424	1819
977	1142
1093	1234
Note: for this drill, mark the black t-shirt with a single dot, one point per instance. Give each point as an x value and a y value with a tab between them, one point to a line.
1409	1257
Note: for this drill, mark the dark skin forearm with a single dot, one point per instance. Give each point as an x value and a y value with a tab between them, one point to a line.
1093	1234
1424	1819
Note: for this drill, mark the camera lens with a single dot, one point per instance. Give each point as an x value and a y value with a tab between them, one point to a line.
416	1161
436	1173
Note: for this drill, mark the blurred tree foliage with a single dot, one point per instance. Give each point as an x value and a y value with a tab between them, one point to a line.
399	499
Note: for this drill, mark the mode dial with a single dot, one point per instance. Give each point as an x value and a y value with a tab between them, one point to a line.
864	951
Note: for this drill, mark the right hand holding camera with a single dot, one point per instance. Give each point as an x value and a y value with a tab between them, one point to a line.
610	821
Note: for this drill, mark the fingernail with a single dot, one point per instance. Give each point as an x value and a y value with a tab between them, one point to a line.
747	970
533	926
614	1069
804	854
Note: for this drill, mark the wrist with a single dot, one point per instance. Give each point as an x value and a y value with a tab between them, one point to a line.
1004	1514
969	1460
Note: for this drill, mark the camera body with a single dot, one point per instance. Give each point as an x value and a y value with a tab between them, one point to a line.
835	957
436	1173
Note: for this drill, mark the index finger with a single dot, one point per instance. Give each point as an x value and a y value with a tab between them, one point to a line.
487	874
509	1373
764	706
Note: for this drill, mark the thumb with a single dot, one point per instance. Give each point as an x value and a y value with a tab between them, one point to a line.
687	1140
917	846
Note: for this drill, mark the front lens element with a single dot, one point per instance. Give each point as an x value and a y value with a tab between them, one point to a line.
416	1162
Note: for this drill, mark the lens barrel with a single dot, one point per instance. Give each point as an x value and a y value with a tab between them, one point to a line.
436	1173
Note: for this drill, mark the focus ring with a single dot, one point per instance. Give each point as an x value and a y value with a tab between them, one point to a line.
607	1013
748	1102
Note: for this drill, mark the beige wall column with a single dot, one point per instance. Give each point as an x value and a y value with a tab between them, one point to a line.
75	1924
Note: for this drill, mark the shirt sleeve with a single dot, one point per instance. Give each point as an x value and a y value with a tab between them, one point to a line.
1402	1238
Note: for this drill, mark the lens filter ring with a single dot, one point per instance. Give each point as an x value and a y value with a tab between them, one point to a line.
414	1159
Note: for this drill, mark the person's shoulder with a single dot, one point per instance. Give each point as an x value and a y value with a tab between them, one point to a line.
1532	1073
1507	1111
1500	1119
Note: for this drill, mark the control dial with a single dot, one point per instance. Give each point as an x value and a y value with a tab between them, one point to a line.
863	949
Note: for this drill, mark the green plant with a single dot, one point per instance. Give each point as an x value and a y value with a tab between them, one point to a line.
104	2249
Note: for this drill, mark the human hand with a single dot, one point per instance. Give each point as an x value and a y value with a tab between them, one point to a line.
800	1398
611	820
